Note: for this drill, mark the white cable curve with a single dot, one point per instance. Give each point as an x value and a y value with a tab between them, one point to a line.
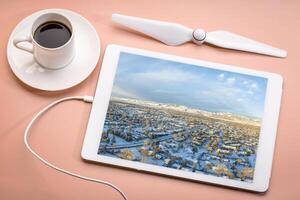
88	99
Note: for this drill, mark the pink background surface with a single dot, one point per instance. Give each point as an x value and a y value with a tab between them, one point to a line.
59	134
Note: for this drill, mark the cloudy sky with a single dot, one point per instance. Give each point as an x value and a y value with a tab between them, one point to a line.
165	81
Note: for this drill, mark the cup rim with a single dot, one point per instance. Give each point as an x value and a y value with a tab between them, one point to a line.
56	48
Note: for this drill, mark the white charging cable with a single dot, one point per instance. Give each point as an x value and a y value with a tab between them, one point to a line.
88	99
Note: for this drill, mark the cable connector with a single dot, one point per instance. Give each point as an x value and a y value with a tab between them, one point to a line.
88	99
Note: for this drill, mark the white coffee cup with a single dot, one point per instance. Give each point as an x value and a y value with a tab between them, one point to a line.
51	58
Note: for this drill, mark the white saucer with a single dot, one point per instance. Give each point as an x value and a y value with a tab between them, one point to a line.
31	73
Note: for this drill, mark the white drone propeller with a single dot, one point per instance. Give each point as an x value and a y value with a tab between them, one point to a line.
176	34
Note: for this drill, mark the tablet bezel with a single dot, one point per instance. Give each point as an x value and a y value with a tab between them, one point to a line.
267	136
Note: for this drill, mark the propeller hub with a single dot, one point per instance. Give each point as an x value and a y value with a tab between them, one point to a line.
199	36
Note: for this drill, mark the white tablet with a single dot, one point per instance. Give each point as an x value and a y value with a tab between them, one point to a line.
185	118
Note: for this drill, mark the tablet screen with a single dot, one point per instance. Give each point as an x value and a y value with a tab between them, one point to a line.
185	117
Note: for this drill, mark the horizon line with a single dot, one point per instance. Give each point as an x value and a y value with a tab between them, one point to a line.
237	114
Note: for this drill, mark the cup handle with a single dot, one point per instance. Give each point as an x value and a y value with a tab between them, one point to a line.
17	42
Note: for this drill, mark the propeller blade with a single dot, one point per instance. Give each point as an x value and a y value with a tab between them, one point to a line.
166	32
230	40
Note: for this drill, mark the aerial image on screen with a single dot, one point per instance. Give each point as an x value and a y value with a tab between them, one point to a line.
184	117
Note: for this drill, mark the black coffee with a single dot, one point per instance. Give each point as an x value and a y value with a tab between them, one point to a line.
52	34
